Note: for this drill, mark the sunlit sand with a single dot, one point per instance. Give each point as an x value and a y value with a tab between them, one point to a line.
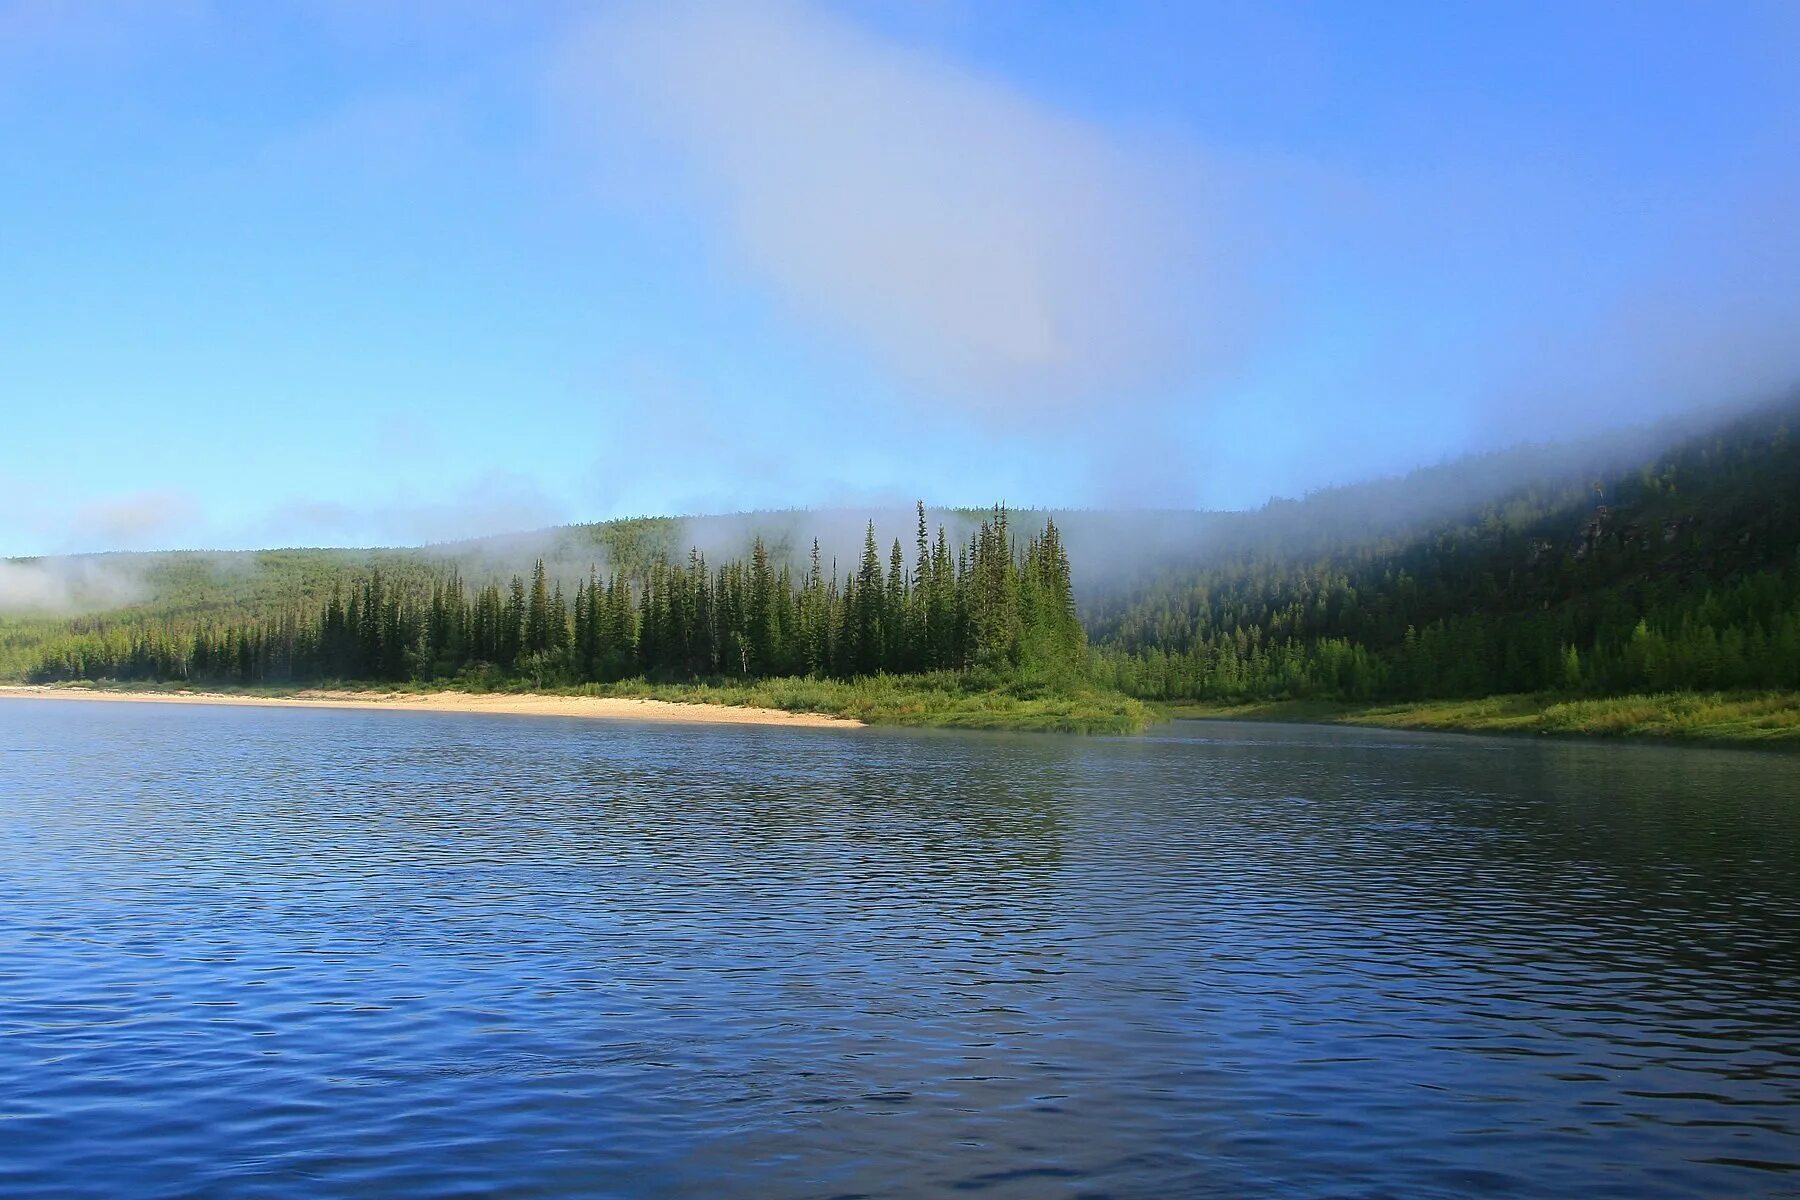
614	708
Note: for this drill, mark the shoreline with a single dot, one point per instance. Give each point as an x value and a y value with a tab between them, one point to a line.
603	708
1766	721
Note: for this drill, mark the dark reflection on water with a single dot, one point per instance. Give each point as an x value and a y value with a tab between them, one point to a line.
314	953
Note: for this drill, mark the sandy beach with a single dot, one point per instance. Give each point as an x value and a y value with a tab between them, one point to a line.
606	708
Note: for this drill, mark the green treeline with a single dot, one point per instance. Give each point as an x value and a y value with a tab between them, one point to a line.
1678	574
988	605
1683	574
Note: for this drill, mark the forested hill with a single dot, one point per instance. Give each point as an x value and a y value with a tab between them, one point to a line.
1661	558
1677	572
998	608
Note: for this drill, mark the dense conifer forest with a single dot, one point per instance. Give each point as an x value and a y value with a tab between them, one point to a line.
998	604
1593	570
1682	573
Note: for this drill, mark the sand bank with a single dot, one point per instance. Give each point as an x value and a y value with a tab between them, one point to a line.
615	708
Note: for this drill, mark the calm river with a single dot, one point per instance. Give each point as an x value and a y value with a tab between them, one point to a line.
318	953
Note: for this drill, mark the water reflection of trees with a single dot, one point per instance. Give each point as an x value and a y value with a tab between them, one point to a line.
987	809
876	807
1645	862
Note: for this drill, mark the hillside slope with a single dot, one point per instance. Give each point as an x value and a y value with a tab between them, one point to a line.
1663	558
1680	572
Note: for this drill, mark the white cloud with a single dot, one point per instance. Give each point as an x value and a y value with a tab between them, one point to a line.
1000	252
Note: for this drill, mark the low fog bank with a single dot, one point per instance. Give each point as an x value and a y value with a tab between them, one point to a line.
1108	548
78	584
64	586
1100	543
1462	488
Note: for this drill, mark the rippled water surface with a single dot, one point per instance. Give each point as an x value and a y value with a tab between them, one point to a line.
319	953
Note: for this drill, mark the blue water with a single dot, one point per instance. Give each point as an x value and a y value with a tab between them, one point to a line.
319	953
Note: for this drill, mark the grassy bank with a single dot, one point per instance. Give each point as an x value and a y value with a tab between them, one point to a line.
951	700
1768	720
944	700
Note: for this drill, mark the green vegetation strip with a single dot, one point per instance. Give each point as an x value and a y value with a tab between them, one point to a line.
940	700
1759	719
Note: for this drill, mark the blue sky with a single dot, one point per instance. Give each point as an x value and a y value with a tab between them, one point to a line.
346	273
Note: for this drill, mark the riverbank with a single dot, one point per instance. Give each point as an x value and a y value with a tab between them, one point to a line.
616	708
1763	720
942	700
938	700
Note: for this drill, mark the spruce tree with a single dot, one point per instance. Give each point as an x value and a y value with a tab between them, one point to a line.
870	599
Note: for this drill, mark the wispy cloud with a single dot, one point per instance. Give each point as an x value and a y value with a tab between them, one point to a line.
493	504
999	252
48	519
1002	253
140	520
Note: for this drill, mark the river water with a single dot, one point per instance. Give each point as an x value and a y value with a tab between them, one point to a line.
323	953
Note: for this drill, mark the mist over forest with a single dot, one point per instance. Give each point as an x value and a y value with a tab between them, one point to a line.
755	598
1106	546
1661	557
